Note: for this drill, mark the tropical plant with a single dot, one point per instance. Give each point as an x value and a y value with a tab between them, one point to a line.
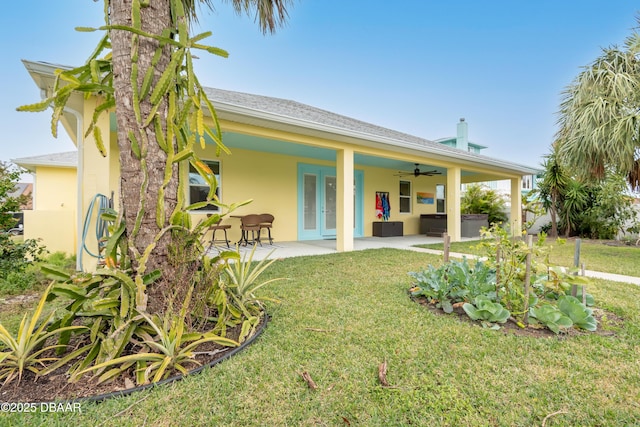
487	311
236	291
596	209
551	317
608	210
599	115
26	350
171	347
143	69
574	202
481	200
550	189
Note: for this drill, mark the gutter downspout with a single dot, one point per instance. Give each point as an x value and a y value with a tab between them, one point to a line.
79	172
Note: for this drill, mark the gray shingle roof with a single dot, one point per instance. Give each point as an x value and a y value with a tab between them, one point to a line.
304	114
67	159
283	112
310	114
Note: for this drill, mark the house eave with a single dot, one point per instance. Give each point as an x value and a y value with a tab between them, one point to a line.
240	114
42	72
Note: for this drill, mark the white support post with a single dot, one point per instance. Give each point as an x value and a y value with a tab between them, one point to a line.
453	204
344	202
516	207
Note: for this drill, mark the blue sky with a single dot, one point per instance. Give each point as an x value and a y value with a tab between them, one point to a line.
417	67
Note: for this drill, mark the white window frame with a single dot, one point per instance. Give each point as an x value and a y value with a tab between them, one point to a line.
210	208
443	198
404	197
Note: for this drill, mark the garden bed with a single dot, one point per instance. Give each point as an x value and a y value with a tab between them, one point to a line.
56	387
606	320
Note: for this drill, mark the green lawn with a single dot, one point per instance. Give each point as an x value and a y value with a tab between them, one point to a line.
342	315
594	254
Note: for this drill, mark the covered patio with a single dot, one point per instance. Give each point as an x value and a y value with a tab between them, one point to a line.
324	247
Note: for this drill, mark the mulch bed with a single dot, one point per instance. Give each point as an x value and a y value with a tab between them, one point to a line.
536	331
55	386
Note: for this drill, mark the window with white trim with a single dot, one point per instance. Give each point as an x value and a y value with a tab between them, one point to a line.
440	199
198	188
405	197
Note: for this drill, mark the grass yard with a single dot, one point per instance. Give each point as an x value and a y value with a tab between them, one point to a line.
593	253
341	315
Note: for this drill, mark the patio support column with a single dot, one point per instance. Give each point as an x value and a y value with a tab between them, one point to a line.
344	202
453	204
516	207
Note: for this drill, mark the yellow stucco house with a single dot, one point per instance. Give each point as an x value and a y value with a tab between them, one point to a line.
319	173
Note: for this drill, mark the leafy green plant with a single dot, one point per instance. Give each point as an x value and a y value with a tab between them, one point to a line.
481	200
431	283
237	289
16	256
487	311
454	282
25	350
581	315
551	317
170	347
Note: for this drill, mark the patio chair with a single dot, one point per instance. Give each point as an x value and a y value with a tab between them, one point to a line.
250	223
217	227
266	222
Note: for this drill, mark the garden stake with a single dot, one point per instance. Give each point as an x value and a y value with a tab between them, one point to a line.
527	279
576	255
497	270
447	242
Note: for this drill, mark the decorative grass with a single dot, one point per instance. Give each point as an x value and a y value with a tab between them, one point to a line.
342	315
596	255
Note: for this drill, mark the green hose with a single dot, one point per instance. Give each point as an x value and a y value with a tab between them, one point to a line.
102	228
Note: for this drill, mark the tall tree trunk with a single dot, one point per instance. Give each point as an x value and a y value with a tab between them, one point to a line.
554	217
139	190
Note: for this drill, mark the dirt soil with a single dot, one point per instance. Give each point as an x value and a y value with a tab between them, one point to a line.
55	386
605	327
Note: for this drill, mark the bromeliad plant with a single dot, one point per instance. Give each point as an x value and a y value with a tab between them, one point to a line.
234	294
168	346
494	290
26	350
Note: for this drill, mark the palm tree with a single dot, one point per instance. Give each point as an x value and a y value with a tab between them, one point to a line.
554	182
159	103
146	215
599	116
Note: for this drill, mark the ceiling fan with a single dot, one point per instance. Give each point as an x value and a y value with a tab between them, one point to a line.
418	172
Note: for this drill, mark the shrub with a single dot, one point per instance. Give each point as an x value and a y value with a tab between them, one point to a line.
16	256
481	200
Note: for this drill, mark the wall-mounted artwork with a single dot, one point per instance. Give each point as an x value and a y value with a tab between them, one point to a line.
425	198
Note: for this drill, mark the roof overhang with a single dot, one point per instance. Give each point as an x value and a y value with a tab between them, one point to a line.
43	74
